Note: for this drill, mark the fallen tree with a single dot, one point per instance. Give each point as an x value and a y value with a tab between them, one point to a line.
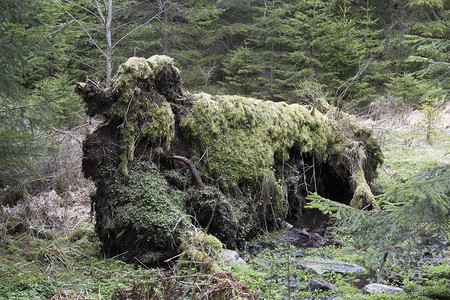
165	159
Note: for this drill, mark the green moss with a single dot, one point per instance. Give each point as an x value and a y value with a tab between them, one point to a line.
135	68
140	110
68	267
161	125
202	249
140	69
150	208
158	62
363	194
206	242
243	136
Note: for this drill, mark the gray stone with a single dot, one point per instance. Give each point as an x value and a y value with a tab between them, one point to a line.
232	256
322	285
288	225
382	289
260	263
321	266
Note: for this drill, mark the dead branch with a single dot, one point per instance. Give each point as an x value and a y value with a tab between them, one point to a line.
198	180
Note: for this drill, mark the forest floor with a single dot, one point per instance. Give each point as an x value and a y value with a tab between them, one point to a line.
48	248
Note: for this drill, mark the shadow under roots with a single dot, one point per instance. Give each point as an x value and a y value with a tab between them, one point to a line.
304	175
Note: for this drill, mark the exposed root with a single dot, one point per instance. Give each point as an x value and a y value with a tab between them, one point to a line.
192	168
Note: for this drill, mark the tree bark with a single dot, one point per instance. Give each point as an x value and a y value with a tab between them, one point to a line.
165	36
108	44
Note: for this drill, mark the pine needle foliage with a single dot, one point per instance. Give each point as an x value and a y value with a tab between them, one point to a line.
434	58
408	218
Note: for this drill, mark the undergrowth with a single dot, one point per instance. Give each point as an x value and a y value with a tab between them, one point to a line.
277	274
67	263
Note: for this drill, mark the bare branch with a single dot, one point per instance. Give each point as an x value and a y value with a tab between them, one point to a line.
67	133
83	8
192	168
7	110
156	16
84	28
77	60
100	11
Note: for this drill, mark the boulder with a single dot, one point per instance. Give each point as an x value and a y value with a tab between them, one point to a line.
321	266
232	256
373	288
322	285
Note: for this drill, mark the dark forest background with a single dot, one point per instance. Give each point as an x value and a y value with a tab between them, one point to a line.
353	52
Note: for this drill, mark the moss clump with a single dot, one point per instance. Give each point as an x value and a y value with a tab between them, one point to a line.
244	136
142	113
224	217
134	69
148	212
243	139
159	62
362	195
253	151
202	249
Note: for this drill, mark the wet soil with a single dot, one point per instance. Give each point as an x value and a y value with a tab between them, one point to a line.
311	220
364	279
312	230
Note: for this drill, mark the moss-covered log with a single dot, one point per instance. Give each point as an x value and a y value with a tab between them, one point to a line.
258	160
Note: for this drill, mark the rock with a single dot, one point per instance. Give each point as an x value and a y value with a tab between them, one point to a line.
301	239
321	266
338	243
317	284
292	283
288	225
260	263
232	256
382	289
296	255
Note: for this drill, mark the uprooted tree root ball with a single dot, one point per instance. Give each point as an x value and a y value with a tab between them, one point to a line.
165	160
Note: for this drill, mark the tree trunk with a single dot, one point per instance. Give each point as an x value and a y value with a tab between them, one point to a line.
165	37
108	44
272	48
313	32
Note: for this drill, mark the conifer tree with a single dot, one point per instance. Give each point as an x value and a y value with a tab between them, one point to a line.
421	61
207	32
30	103
244	74
16	134
408	215
433	57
